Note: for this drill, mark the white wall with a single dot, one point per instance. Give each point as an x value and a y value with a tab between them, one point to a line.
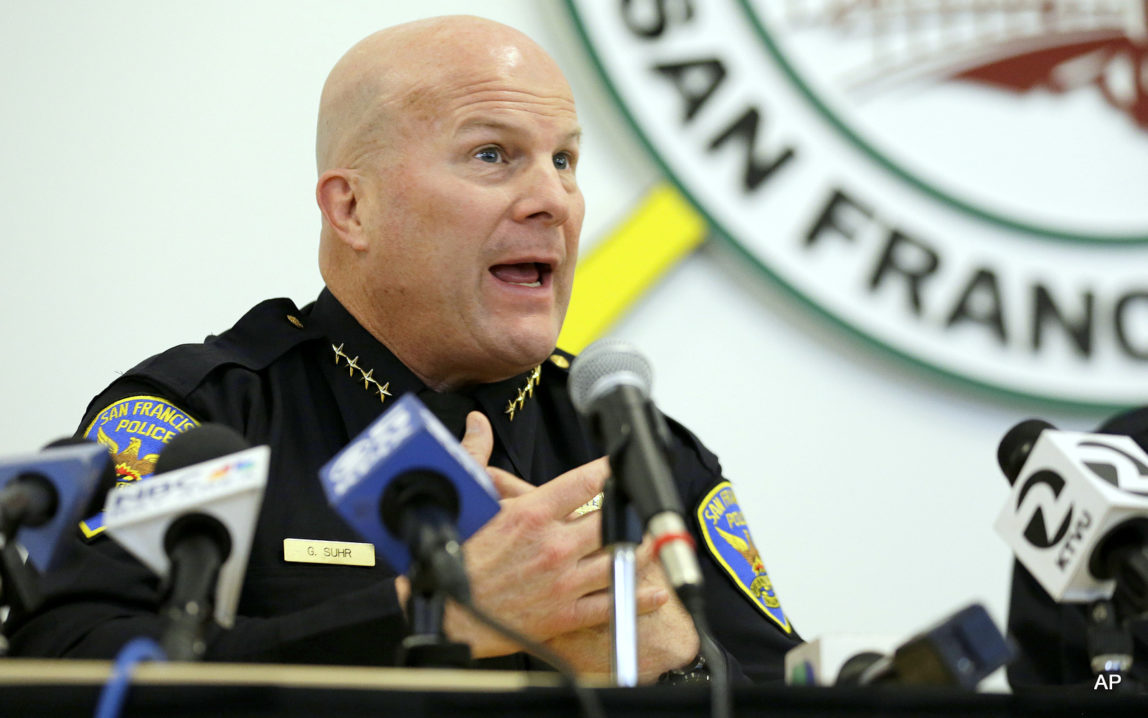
158	181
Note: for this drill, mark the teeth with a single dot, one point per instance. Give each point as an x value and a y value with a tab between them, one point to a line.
527	284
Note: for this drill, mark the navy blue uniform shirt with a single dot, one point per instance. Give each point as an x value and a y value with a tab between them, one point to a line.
305	382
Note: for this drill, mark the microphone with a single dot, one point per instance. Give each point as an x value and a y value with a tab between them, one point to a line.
44	495
610	384
1077	515
818	662
959	651
107	480
406	485
192	523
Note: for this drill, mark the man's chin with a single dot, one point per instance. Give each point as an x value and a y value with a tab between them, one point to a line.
523	350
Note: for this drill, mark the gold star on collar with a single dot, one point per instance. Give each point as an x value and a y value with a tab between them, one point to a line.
515	405
366	376
381	391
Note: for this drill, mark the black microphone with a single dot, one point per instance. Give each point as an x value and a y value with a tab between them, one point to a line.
610	384
106	481
203	443
407	486
44	494
959	651
41	499
420	507
185	522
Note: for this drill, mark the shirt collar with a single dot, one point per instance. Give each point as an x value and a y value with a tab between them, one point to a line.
364	375
366	378
512	405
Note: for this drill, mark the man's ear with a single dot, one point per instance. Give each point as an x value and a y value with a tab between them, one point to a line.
335	193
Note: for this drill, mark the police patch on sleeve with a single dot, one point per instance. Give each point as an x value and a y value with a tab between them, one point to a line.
727	537
134	430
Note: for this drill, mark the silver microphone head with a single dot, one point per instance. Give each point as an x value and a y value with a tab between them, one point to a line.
604	365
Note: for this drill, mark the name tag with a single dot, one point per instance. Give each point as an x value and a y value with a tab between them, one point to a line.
341	553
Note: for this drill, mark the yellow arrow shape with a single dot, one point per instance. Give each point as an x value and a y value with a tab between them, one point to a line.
622	267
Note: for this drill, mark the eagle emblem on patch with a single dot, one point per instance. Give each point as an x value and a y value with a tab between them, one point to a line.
134	430
727	536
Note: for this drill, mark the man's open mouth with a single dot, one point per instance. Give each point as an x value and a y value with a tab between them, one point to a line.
523	274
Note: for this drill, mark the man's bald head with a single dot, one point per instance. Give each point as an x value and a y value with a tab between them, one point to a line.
394	75
451	210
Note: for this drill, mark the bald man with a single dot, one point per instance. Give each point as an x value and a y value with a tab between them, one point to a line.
447	152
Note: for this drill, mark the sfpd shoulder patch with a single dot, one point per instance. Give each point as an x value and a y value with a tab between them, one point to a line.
727	537
134	430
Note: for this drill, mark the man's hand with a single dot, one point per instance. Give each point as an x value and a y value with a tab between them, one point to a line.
533	566
667	638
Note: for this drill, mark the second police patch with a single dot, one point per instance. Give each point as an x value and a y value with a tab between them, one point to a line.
134	430
727	537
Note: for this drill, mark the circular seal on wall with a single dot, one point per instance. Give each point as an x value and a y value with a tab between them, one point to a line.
958	181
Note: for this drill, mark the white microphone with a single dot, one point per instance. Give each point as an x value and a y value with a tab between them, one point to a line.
1077	515
189	522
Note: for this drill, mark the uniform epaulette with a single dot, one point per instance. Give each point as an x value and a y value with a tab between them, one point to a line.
262	335
559	360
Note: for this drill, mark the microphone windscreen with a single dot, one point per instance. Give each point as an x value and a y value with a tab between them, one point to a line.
105	483
1133	423
73	472
1017	444
203	443
405	443
604	365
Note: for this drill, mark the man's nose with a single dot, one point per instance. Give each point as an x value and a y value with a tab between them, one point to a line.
545	195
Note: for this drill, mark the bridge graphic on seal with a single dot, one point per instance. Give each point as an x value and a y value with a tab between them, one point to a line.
1014	45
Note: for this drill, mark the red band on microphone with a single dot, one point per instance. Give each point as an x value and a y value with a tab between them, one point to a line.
674	536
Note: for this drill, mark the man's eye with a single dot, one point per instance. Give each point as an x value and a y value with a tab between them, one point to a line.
492	155
562	161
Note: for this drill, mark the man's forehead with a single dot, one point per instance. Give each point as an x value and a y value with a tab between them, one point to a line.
457	83
445	73
483	123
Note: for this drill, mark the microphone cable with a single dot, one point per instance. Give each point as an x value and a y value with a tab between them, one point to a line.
115	691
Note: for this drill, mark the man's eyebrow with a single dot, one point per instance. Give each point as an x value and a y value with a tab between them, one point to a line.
478	125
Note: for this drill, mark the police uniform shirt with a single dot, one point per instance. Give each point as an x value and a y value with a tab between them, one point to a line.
306	382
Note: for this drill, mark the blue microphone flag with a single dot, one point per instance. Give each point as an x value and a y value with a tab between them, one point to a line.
406	437
73	471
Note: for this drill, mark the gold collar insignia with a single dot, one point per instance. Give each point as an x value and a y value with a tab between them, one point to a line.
527	390
367	377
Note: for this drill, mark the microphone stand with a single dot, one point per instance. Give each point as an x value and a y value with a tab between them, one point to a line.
428	646
1109	640
435	573
195	564
18	584
622	533
1109	635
